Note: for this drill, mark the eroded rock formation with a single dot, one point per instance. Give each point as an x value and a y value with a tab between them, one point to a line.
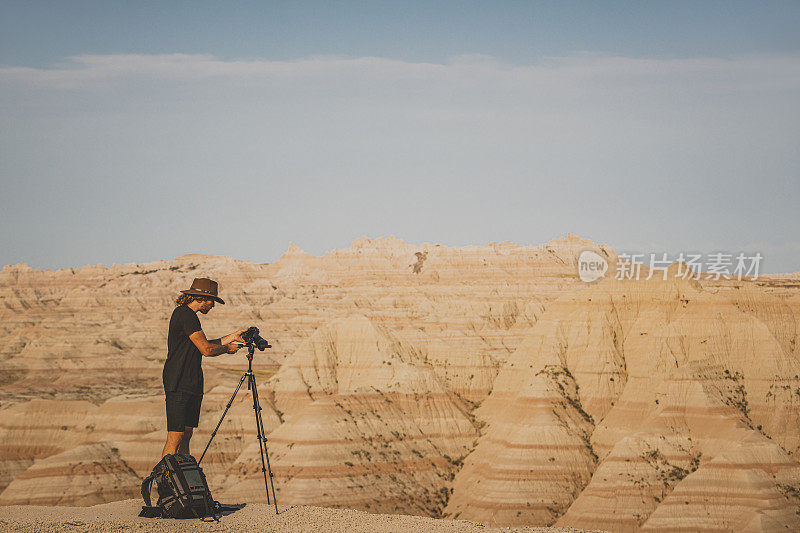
482	382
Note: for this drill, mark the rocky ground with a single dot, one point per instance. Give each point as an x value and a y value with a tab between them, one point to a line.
122	516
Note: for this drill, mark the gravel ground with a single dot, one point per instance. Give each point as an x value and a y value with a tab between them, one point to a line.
122	516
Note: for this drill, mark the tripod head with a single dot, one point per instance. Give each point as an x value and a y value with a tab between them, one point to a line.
253	340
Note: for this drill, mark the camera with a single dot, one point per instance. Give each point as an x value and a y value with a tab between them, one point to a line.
252	338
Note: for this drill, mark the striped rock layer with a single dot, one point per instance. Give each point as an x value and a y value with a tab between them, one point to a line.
644	405
485	383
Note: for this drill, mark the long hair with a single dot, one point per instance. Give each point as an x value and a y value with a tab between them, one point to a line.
185	299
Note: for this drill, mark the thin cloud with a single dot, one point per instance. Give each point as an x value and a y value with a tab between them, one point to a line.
780	72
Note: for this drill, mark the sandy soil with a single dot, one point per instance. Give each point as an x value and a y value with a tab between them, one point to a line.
122	516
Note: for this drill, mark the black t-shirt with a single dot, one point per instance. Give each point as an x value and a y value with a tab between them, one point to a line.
182	370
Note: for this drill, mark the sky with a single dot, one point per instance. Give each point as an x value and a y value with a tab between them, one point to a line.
137	131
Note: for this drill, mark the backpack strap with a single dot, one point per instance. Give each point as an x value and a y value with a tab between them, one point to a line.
147	483
146	486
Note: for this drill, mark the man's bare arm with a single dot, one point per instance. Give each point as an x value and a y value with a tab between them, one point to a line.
210	348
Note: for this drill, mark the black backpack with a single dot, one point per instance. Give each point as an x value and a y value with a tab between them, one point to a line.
182	489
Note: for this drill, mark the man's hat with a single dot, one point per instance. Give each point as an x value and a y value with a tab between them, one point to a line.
204	287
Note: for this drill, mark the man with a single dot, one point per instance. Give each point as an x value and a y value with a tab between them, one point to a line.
183	374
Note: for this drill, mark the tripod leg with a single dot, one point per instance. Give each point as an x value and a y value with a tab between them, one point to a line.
230	402
251	384
262	441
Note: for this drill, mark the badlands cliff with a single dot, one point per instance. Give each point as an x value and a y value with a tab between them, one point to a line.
485	383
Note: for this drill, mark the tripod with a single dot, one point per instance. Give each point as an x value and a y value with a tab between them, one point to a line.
262	440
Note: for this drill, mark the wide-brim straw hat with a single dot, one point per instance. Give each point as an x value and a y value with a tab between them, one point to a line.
204	287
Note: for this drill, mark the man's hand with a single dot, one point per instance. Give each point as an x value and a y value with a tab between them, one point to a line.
233	347
237	335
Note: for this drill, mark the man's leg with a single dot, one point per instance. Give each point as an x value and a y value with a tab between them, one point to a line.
174	440
186	436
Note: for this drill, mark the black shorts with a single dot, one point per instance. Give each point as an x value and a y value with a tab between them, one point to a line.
183	410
